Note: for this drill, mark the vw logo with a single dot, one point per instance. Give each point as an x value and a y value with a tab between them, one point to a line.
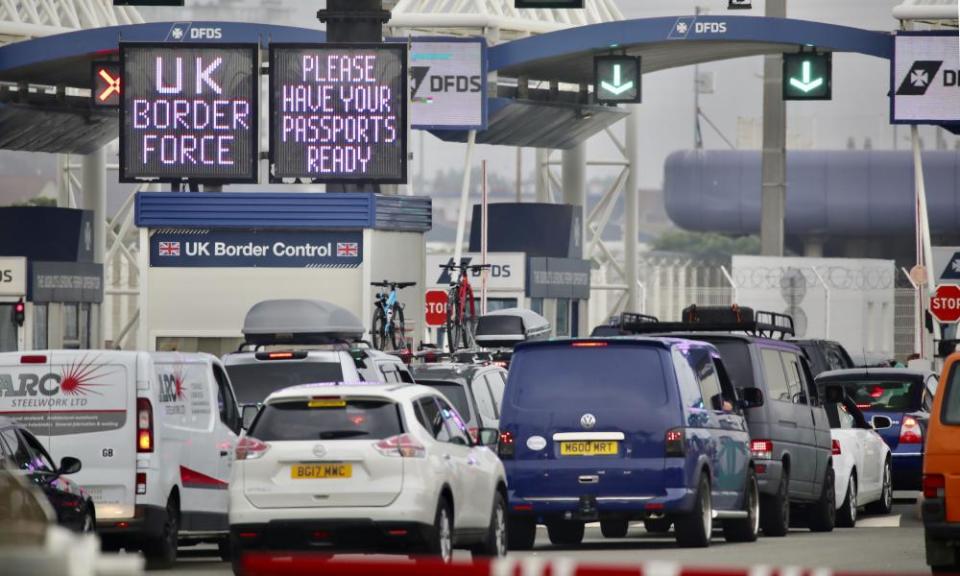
588	421
319	451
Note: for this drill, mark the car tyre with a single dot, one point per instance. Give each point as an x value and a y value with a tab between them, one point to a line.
494	544
161	553
847	514
614	528
89	521
521	533
694	529
657	525
236	559
775	509
565	532
823	513
223	549
746	529
440	545
885	504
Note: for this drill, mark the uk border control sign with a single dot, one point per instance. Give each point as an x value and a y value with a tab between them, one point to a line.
338	113
448	84
925	78
188	112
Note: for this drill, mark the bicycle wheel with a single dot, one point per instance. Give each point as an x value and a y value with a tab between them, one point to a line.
398	333
379	329
454	322
469	320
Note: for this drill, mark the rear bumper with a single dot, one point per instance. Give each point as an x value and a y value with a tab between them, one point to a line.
941	538
594	507
908	467
331	535
769	475
147	523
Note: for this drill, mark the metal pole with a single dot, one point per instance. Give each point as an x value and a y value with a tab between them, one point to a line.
484	230
773	198
574	179
631	216
826	291
923	228
542	158
464	197
95	199
519	174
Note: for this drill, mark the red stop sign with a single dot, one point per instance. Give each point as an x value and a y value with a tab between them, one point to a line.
436	308
945	303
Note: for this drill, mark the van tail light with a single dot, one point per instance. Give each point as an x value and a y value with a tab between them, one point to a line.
836	448
506	447
249	448
402	445
762	449
674	441
33	359
934	486
910	431
141	483
144	426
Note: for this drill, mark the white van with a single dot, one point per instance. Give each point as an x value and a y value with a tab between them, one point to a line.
156	433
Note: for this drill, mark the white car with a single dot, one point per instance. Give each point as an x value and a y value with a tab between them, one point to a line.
861	463
365	467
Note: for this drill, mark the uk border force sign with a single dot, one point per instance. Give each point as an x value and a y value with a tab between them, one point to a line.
925	78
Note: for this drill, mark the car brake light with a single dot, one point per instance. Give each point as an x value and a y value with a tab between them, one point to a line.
33	359
144	426
589	344
674	441
141	483
249	448
836	448
910	431
934	486
402	445
506	447
762	449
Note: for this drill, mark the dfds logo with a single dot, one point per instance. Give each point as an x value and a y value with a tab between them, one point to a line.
710	28
181	31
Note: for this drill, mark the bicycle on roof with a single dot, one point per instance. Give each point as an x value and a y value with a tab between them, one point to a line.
461	306
388	322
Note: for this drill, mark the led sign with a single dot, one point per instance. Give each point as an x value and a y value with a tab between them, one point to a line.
338	113
925	78
106	84
807	76
189	112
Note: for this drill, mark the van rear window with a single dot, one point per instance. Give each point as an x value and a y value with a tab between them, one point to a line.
625	375
327	420
254	382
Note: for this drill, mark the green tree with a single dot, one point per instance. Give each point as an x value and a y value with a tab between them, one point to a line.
706	246
37	201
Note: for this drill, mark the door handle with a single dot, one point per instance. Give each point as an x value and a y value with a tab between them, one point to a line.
224	453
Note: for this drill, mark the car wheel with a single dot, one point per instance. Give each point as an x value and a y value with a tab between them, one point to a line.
657	525
823	514
694	529
236	558
162	552
89	521
614	528
565	532
775	510
223	549
847	514
521	533
494	545
441	541
885	504
746	529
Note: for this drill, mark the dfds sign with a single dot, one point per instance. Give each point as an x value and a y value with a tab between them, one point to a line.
338	114
925	76
189	112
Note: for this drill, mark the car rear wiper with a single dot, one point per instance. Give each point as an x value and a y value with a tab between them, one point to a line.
333	434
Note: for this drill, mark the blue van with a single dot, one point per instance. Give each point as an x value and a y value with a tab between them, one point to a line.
625	429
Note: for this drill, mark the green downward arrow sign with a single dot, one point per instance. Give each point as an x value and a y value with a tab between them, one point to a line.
806	84
616	88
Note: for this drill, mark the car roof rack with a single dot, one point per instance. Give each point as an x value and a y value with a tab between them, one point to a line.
733	318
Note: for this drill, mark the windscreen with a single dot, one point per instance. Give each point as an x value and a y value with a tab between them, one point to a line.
607	375
454	392
327	420
885	395
254	382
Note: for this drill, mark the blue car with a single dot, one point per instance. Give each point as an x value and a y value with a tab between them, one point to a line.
625	429
903	395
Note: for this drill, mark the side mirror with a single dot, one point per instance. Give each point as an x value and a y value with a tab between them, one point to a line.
752	397
881	422
249	414
488	437
834	393
69	465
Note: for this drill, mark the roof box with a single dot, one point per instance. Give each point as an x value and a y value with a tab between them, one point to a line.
300	322
508	327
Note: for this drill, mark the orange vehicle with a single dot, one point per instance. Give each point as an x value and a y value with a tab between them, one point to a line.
941	474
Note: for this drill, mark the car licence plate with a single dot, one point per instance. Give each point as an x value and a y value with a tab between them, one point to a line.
314	471
589	448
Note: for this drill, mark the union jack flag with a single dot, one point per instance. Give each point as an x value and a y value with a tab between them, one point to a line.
169	249
347	250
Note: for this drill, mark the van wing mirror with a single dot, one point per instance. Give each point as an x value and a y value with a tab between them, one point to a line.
881	422
69	465
249	414
752	397
488	437
834	393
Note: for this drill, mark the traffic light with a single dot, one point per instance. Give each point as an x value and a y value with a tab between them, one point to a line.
616	79
19	312
106	84
808	76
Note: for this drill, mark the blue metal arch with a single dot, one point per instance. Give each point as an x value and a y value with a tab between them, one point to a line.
627	33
